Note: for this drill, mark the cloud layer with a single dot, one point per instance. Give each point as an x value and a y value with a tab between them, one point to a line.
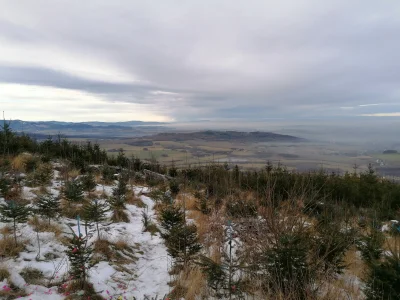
193	60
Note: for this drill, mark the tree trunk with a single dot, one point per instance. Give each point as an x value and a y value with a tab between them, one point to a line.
38	240
98	232
15	233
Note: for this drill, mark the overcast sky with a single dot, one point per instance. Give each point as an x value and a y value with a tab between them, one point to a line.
199	60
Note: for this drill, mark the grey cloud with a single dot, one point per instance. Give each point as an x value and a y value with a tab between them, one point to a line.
223	59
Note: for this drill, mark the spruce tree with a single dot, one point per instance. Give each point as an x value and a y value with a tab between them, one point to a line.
121	189
89	182
79	255
171	217
95	211
183	243
286	263
15	213
383	281
74	191
48	207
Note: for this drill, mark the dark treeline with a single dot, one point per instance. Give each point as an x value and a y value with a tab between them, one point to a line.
81	155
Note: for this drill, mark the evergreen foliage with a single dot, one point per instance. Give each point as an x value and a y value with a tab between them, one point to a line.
171	217
48	207
73	191
183	243
371	246
120	190
287	265
89	182
79	255
95	211
5	184
241	208
174	187
15	213
42	175
383	281
107	174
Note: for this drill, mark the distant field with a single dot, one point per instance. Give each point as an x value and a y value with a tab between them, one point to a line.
392	157
302	156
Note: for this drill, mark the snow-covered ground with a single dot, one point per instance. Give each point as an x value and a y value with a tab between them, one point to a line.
148	272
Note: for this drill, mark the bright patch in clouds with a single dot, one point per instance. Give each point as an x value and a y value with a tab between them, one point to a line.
38	103
392	114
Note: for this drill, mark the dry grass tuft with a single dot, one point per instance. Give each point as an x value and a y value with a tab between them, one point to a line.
121	245
73	173
131	198
18	162
14	293
71	210
76	286
44	226
195	283
119	215
119	252
8	247
187	200
103	248
6	230
4	273
354	263
32	275
202	222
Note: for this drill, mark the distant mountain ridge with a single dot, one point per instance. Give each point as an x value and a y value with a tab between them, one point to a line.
87	129
19	125
217	135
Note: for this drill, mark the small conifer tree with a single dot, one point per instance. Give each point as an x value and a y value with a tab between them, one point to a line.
121	189
117	205
174	187
89	182
383	281
15	213
171	217
95	211
79	255
74	191
183	243
48	207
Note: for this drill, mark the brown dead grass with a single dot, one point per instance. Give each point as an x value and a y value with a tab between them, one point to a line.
73	173
190	284
119	252
71	210
343	288
6	230
75	286
119	215
187	200
202	223
8	247
44	226
392	242
14	293
131	198
103	247
354	263
18	163
4	273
